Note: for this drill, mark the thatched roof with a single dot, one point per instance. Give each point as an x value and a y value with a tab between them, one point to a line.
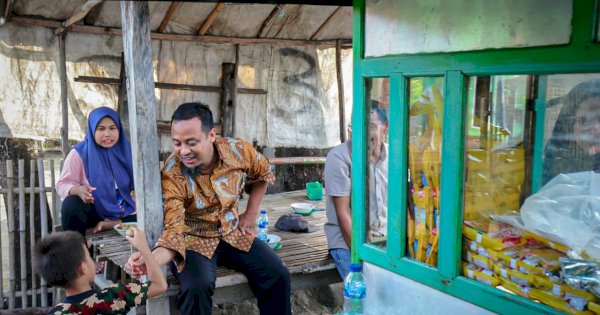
202	21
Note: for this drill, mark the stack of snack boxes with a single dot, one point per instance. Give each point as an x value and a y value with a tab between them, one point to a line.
522	262
493	181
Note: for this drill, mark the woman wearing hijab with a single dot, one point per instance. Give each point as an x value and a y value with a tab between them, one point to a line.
575	143
96	183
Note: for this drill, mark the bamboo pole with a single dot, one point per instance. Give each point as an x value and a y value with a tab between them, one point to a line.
211	18
340	84
54	197
55	219
101	30
1	273
32	229
11	234
43	222
62	67
167	18
22	246
297	160
28	190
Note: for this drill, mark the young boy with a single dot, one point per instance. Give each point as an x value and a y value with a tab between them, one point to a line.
64	261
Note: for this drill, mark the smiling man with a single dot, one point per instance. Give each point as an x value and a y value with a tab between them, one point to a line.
202	181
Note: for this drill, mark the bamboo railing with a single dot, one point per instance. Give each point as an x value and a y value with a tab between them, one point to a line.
22	293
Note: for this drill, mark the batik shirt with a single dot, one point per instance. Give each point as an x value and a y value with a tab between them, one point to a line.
202	209
116	299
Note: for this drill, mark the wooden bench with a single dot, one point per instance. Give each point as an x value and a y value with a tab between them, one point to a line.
304	254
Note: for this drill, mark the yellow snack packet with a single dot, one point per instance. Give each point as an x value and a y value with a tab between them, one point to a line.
561	290
550	299
478	260
519	278
594	307
531	259
515	288
493	235
547	242
476	273
478	249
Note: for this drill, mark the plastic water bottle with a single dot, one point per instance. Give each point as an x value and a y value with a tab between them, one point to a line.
262	232
263	218
355	291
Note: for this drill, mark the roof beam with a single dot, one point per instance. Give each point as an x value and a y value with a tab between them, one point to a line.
325	24
168	16
211	18
85	9
169	86
87	29
264	28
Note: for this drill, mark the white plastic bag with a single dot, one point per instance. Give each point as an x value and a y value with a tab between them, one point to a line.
568	207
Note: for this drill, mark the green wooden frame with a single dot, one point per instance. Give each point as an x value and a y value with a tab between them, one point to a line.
581	55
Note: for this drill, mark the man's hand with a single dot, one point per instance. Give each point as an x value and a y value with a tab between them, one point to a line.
84	192
104	225
136	266
247	223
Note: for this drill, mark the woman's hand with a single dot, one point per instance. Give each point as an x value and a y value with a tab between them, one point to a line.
84	192
105	225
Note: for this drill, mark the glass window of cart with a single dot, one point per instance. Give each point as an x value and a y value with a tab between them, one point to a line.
514	239
567	205
572	126
424	160
377	144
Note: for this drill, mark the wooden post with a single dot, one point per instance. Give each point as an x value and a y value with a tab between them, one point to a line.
122	98
227	103
142	105
10	216
55	200
340	83
22	246
62	72
43	221
32	229
142	109
1	273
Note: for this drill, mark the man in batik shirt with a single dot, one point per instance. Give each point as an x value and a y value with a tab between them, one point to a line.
202	182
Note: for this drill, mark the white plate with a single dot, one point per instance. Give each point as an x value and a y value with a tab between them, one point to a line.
123	227
302	208
274	241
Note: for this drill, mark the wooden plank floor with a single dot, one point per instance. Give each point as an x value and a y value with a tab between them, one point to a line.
302	253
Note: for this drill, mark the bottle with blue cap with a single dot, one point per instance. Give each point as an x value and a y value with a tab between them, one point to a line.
262	217
262	232
355	291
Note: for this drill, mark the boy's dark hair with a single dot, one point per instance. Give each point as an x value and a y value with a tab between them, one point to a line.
377	108
187	111
57	257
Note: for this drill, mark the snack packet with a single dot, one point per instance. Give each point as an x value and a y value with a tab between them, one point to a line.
493	235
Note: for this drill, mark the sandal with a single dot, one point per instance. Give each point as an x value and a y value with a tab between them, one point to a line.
100	266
